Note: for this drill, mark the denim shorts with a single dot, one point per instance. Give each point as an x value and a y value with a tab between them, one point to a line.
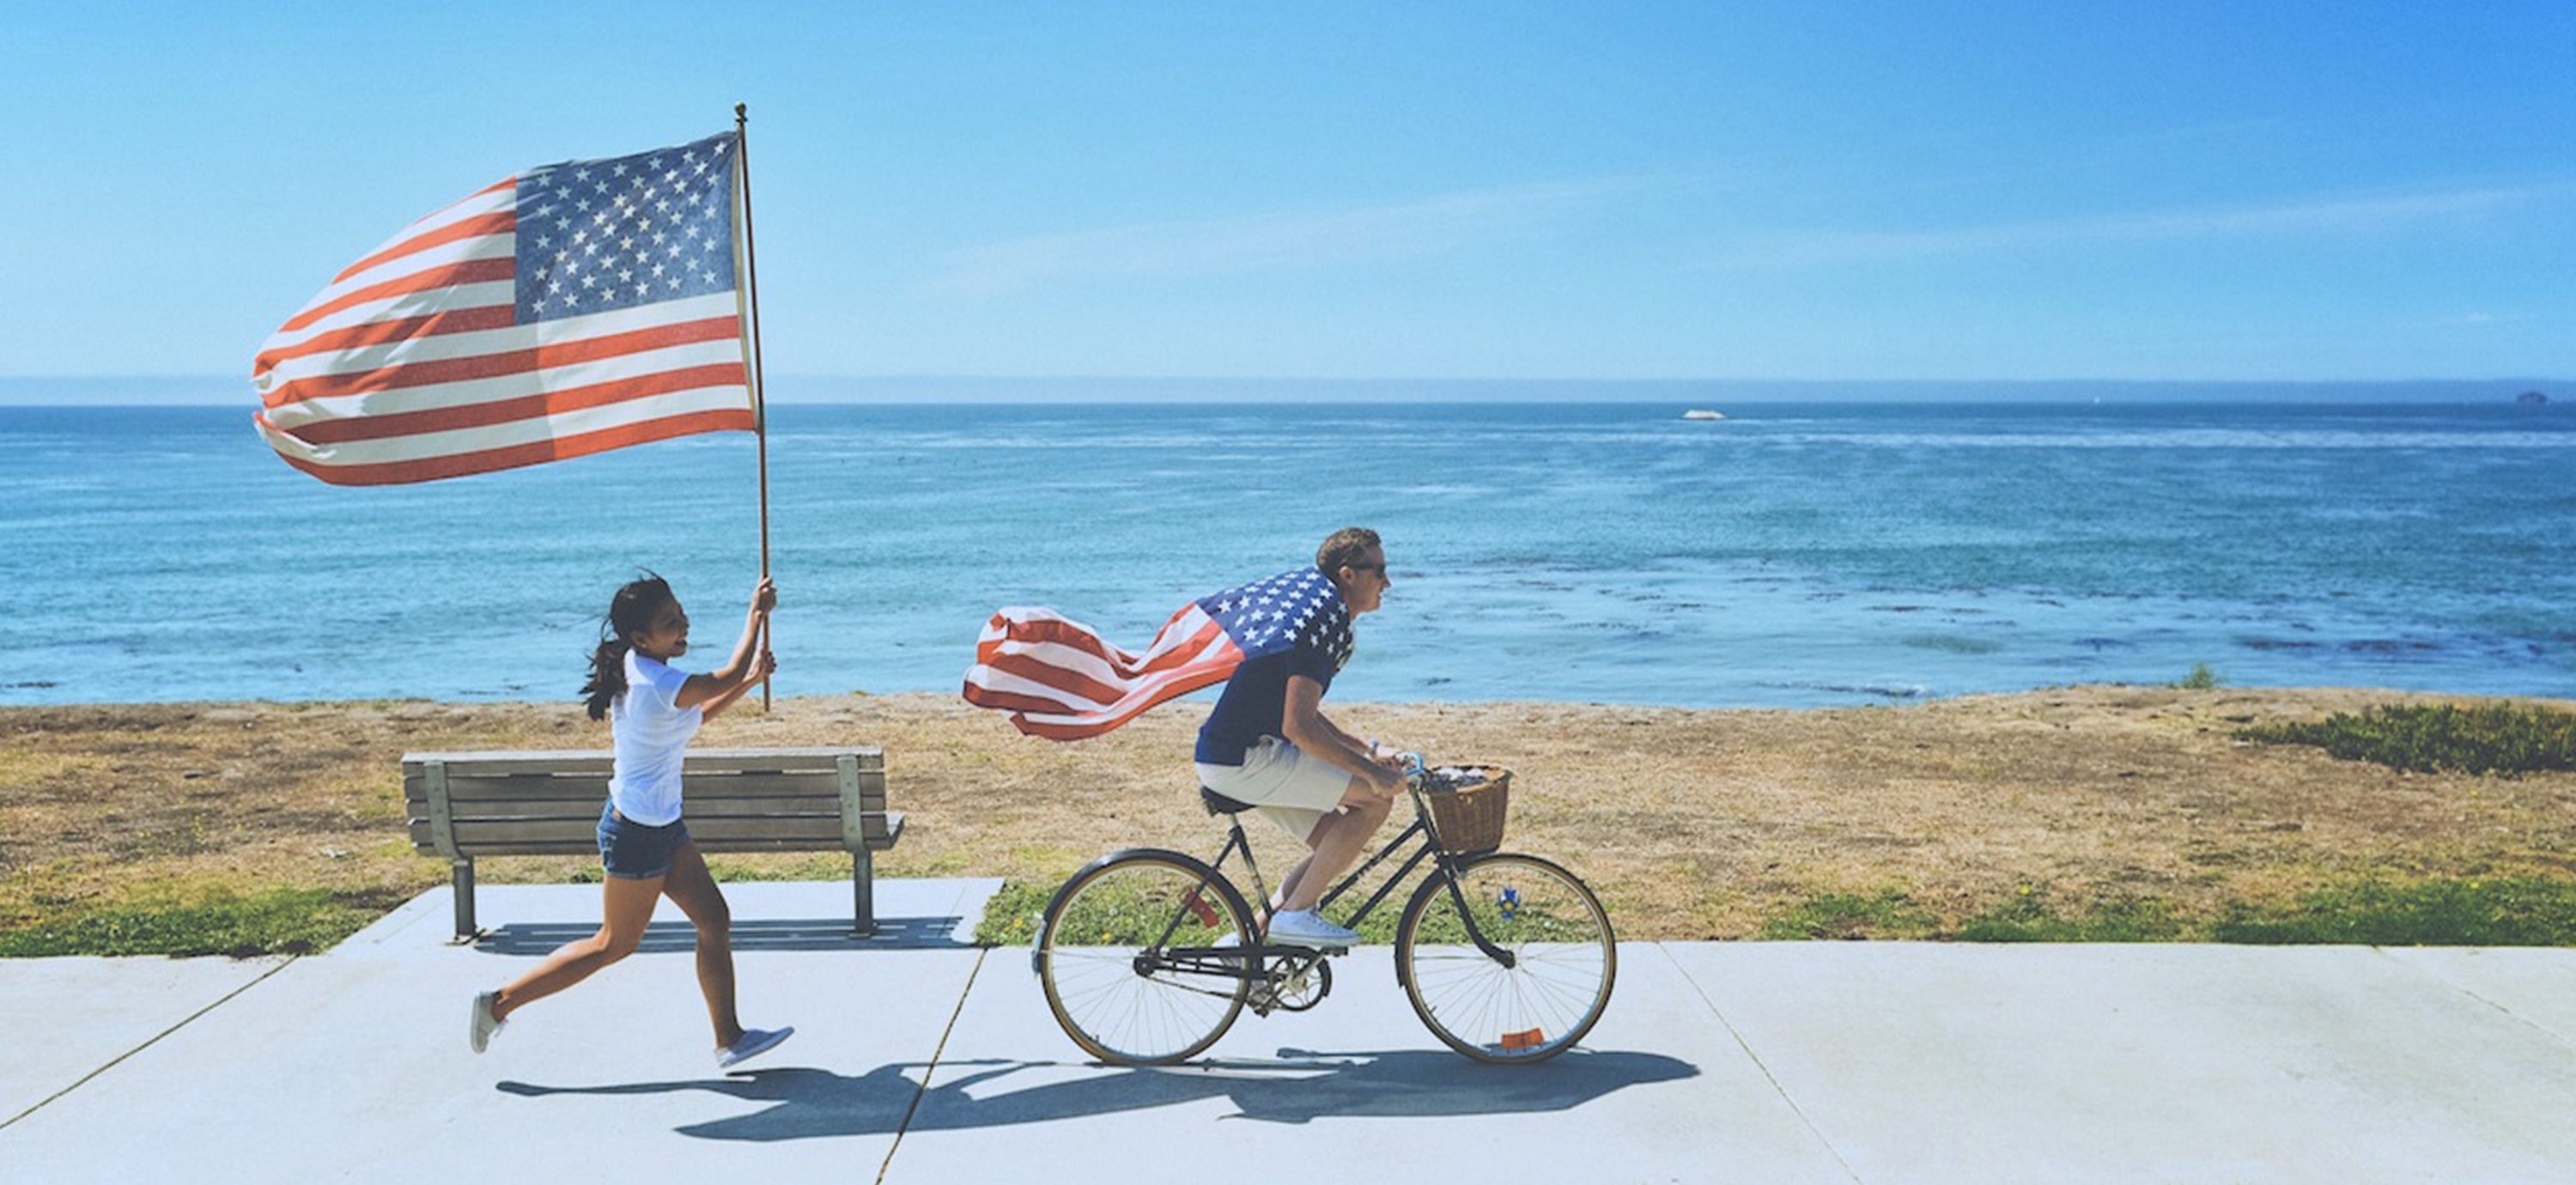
636	850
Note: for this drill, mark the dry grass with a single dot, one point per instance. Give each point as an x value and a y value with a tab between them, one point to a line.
1691	824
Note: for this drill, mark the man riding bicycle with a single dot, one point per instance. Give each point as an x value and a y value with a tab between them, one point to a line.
1506	957
1269	744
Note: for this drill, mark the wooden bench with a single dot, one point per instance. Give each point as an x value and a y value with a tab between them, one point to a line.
465	805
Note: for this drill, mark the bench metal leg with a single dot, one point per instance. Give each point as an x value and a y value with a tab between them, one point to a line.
863	891
464	870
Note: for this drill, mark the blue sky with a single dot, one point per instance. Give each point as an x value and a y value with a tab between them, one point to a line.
2167	191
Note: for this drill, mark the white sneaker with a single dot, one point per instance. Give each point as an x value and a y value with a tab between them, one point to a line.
1305	927
752	1044
484	1024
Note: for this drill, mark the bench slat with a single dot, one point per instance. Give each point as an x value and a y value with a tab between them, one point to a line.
810	832
589	807
464	788
821	759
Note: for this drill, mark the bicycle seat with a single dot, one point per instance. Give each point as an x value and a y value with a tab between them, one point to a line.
1218	804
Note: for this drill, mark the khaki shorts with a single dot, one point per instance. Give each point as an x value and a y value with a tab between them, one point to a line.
1285	784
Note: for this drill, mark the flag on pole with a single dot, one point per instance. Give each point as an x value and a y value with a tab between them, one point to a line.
567	310
1060	680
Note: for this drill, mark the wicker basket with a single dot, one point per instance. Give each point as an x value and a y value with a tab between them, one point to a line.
1467	815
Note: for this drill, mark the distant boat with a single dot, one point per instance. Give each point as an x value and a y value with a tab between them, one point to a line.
1702	413
2531	397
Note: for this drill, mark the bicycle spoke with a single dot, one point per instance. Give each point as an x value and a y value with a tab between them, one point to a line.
1104	967
1559	948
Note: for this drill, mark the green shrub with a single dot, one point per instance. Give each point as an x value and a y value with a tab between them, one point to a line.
2501	738
2201	678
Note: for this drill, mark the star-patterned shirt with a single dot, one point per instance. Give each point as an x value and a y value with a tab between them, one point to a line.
1294	623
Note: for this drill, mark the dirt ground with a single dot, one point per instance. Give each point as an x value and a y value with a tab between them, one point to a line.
1691	824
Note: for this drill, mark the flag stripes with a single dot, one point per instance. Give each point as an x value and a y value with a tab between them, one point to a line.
1060	680
563	311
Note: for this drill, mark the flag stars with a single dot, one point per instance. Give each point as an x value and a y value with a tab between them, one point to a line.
625	232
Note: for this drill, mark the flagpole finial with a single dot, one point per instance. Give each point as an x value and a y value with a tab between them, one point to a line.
741	112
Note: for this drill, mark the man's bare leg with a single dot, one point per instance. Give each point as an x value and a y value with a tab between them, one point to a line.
1337	841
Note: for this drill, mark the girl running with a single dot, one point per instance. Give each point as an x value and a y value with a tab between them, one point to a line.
653	710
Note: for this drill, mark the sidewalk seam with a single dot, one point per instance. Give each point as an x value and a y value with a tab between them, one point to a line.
155	1040
932	1070
1756	1058
2463	989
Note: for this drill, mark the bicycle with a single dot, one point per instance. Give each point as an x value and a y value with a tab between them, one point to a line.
1148	956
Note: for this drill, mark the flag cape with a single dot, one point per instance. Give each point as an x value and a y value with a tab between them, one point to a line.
1059	679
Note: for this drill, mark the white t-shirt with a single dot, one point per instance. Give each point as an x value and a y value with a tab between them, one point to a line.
651	734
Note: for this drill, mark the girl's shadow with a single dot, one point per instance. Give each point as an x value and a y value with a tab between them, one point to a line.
1297	1087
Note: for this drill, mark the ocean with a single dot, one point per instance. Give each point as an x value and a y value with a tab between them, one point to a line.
1790	555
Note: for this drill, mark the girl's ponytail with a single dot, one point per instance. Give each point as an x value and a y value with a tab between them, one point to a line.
630	612
607	676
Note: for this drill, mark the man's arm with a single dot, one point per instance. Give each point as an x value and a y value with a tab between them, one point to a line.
1302	721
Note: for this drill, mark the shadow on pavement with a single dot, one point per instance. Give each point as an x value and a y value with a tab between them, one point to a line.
661	938
1300	1086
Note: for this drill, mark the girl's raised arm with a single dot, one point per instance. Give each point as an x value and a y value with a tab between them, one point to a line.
738	673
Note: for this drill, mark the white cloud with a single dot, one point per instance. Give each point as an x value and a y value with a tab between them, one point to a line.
1272	241
2331	216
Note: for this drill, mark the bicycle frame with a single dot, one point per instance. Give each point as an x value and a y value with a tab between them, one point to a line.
1445	866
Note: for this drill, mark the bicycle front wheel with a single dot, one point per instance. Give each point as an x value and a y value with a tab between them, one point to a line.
1546	980
1133	955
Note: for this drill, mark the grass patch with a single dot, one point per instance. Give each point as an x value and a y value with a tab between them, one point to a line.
1890	913
278	922
2526	911
2033	916
817	866
1011	916
2505	738
2518	911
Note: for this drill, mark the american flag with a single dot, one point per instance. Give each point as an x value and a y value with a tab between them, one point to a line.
567	310
1058	679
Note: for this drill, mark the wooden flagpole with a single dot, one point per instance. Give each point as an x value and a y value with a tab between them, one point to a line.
748	287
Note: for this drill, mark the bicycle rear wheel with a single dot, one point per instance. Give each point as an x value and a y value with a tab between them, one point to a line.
1132	955
1544	995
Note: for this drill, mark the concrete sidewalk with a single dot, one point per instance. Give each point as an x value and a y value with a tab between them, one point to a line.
920	1058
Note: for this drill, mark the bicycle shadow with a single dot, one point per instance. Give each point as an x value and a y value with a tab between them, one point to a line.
1298	1087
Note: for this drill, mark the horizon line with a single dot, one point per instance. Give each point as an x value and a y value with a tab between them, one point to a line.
890	390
